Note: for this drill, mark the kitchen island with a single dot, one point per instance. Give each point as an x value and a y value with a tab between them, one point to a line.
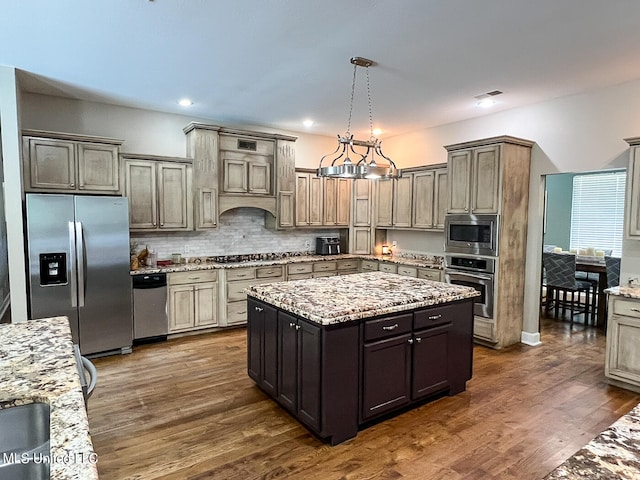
341	352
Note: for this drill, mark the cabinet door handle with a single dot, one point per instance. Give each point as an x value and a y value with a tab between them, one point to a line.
242	275
194	278
418	339
162	224
291	324
154	224
635	310
391	327
297	327
259	309
410	340
72	184
434	317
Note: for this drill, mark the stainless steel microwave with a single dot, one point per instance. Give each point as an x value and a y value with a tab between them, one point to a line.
472	234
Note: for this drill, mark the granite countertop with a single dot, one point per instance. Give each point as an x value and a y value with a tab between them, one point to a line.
210	263
329	300
37	364
615	453
624	291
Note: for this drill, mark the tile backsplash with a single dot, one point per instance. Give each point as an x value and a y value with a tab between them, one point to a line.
240	231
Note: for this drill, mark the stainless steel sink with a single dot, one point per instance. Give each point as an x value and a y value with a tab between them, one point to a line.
24	442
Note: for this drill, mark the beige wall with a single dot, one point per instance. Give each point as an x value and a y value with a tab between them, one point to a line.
572	134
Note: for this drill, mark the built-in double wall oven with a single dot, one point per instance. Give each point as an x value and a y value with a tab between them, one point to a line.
475	272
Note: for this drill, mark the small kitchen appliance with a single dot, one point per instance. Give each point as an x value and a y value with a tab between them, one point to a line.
327	245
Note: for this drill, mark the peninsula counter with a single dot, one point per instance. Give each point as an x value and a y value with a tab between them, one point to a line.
340	352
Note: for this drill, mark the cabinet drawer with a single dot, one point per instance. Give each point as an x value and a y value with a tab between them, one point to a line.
330	273
236	312
388	267
235	291
234	274
387	327
182	278
483	328
408	271
429	274
268	272
627	308
347	264
324	266
369	265
432	317
300	276
298	268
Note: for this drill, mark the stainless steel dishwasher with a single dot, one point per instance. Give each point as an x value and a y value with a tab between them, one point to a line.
150	320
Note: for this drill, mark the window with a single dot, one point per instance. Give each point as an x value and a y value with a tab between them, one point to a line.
597	211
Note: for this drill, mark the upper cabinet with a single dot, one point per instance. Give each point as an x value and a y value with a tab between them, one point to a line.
159	192
633	188
68	163
239	168
474	180
321	201
416	201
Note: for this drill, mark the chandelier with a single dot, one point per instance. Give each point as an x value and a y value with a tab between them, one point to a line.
369	161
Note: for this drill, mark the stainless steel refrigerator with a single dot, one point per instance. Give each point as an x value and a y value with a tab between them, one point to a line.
79	267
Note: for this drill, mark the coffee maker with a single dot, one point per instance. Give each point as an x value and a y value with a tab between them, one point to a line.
327	245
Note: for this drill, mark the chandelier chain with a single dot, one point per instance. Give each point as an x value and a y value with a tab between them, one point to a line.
370	109
353	89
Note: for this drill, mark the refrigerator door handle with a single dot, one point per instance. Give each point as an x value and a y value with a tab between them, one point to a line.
71	267
80	253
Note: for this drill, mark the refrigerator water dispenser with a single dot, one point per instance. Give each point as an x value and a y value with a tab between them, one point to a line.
53	269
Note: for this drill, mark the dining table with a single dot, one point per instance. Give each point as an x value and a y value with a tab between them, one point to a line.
599	267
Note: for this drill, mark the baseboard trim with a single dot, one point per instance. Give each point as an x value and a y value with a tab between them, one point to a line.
531	339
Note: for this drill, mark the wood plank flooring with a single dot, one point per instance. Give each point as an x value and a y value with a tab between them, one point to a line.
185	409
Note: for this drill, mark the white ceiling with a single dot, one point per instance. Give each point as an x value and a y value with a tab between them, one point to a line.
277	62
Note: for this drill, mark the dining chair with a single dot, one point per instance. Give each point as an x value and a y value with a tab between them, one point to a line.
561	279
613	271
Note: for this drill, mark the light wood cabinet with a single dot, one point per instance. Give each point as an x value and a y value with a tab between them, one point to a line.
59	162
192	300
247	164
402	198
474	180
622	362
159	192
417	200
321	201
633	189
237	279
491	176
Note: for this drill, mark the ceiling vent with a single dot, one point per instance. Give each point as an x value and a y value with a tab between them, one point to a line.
488	94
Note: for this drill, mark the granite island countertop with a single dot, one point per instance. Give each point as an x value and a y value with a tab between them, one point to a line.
615	453
337	299
211	263
37	364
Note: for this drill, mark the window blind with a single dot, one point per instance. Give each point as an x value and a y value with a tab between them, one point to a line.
597	211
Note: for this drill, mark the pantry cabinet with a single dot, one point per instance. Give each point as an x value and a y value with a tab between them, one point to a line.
69	163
159	192
192	300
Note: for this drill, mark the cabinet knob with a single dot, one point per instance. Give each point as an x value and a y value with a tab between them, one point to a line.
297	327
635	310
162	224
291	324
418	339
259	309
82	185
410	340
154	224
72	184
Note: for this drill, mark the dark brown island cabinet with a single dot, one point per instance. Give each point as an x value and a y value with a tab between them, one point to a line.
337	378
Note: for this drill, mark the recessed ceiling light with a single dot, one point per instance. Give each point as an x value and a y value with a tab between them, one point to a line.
185	102
308	122
486	103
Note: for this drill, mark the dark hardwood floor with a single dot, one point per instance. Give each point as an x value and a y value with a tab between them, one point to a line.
185	409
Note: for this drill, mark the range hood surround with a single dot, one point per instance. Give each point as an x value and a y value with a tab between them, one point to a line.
229	202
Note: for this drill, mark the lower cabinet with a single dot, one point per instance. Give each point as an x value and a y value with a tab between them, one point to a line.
622	363
262	349
336	378
299	360
192	300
